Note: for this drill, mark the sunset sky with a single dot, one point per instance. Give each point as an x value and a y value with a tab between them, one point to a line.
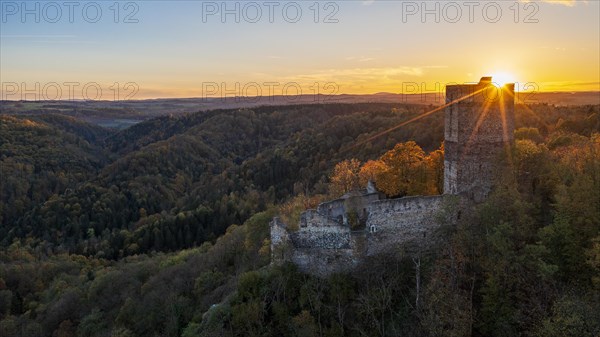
375	46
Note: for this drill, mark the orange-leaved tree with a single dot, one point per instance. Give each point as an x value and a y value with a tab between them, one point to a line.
404	170
345	177
370	171
435	166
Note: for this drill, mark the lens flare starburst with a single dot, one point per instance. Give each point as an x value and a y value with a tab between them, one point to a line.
501	78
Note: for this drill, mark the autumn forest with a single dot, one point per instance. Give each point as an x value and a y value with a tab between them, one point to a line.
162	228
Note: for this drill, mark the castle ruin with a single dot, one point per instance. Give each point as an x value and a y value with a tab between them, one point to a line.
479	125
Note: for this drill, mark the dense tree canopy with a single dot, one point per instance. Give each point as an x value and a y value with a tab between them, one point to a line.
404	170
162	229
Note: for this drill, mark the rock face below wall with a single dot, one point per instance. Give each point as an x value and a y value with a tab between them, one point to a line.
322	262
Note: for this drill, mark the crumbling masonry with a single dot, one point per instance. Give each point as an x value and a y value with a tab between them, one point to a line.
479	125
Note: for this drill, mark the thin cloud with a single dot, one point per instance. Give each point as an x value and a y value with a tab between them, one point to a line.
64	42
38	36
568	3
569	86
363	74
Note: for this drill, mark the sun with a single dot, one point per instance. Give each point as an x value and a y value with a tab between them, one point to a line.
499	79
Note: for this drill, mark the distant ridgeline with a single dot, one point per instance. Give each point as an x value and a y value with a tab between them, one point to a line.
479	125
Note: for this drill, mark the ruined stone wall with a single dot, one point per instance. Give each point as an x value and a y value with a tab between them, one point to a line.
408	222
281	245
320	246
338	209
318	231
333	209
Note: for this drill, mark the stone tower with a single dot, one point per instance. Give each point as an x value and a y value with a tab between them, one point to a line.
478	130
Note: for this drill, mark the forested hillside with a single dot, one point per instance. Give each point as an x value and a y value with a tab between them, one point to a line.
44	156
177	182
161	229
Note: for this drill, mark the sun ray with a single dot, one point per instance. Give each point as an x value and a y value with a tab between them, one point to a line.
412	120
505	135
482	116
529	110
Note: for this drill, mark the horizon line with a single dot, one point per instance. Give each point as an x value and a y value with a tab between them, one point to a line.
212	98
